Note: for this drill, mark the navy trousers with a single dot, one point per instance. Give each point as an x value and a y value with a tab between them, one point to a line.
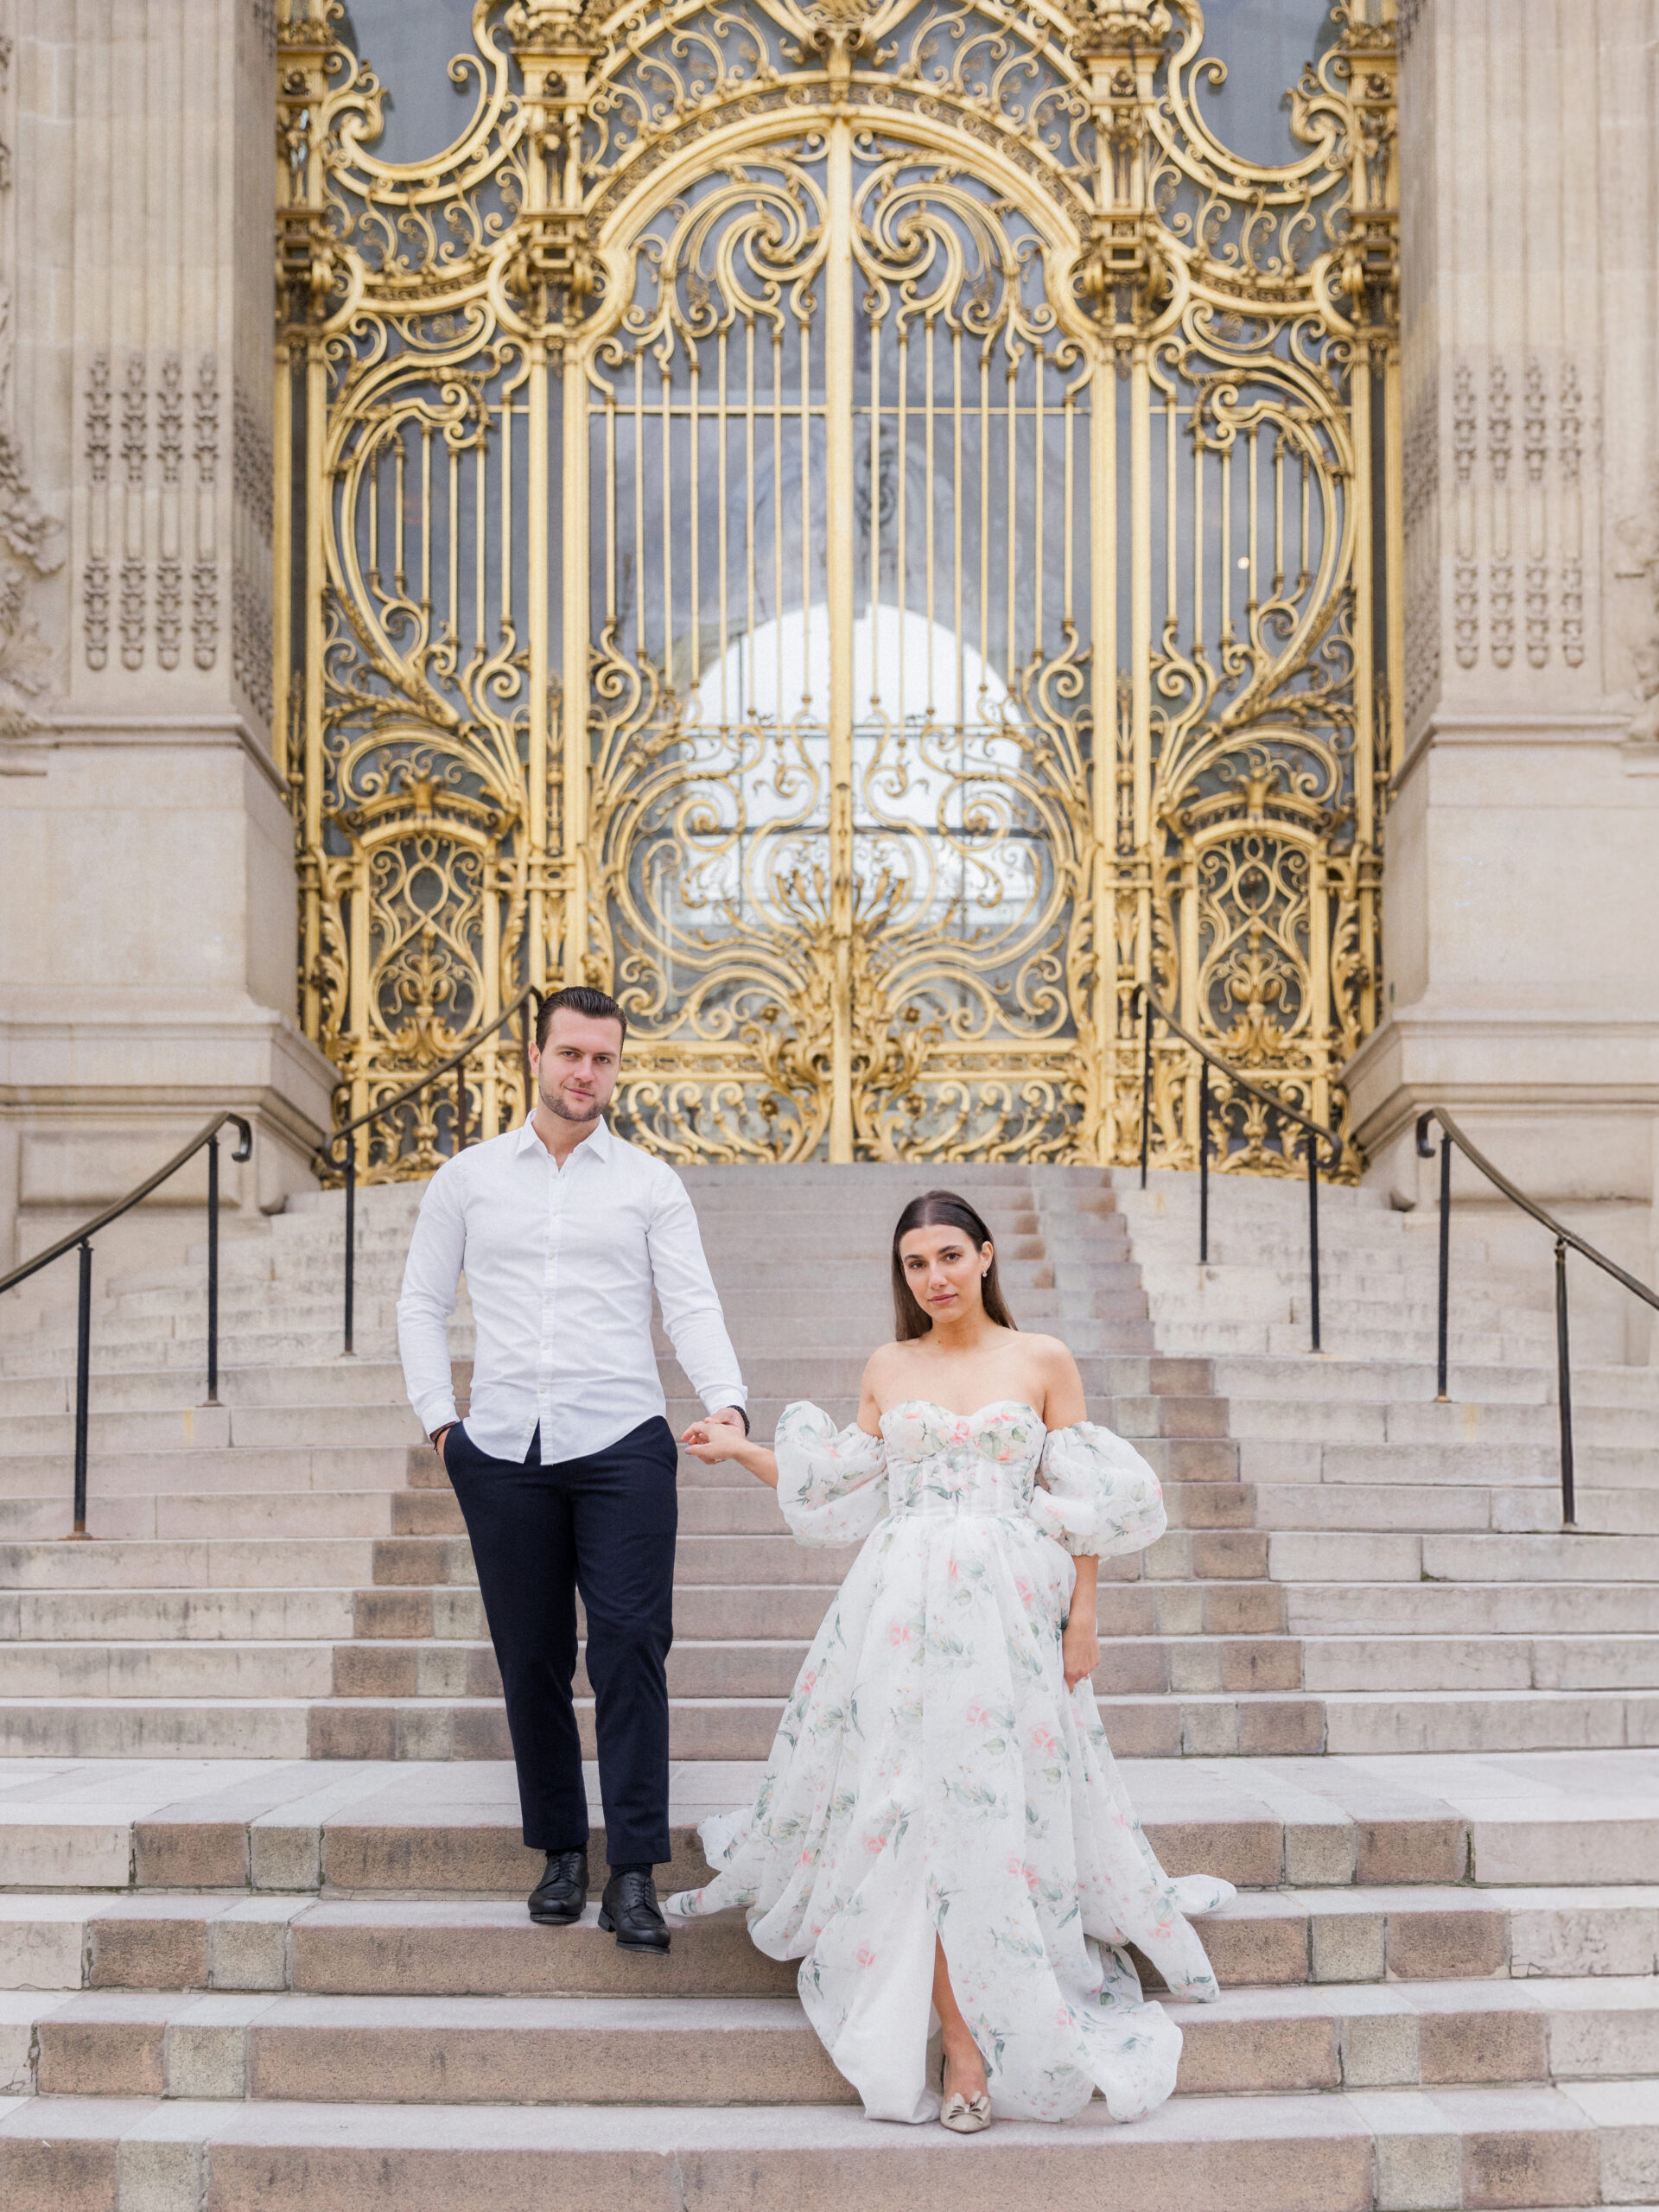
603	1526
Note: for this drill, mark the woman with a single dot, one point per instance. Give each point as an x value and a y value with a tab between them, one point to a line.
941	1830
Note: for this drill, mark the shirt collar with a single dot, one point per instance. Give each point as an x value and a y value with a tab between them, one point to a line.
599	1143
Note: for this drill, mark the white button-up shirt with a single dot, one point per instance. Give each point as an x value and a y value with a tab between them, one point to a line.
560	1263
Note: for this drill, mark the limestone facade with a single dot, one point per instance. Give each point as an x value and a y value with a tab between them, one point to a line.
1520	894
146	903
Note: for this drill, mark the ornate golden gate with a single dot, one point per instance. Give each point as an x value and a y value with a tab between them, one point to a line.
864	529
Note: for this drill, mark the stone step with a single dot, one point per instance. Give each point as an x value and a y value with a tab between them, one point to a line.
1416	1607
160	1516
1332	1664
1590	2143
1408	1425
1396	1556
211	1665
726	1726
204	1616
1377	1342
601	2050
1389	1943
1497	1820
1534	1509
273	1563
1612	1466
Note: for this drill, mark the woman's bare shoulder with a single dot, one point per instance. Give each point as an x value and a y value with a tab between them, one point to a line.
884	1362
1050	1352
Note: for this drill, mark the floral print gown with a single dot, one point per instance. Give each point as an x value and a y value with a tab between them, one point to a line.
931	1772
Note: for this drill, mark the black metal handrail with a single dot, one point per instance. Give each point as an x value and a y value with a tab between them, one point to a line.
83	1237
456	1064
1207	1059
1566	1239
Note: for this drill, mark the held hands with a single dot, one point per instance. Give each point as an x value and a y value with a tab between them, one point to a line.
719	1437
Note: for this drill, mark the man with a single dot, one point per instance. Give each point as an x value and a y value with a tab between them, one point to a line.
565	1465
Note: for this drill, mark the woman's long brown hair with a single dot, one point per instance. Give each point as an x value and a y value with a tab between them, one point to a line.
941	1209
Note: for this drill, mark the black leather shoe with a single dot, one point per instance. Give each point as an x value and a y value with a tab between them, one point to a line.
562	1894
631	1913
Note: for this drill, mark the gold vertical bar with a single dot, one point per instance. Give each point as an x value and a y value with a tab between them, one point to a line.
902	532
281	554
573	686
697	524
955	515
1068	521
1197	541
505	501
1172	534
804	339
875	509
1140	641
1227	456
668	526
316	496
746	706
426	522
538	586
777	522
1010	561
1038	434
721	505
480	542
400	574
453	517
984	502
838	517
932	500
1101	434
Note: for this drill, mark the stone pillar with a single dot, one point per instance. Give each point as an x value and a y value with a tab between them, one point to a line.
1522	873
147	898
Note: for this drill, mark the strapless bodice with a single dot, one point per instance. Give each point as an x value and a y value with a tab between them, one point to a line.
941	1462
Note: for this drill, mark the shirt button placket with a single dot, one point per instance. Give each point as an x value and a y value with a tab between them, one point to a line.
550	1289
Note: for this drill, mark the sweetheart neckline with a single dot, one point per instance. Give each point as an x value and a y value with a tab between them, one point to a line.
1022	1405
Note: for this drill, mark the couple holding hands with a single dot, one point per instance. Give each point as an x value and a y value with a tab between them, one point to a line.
940	1836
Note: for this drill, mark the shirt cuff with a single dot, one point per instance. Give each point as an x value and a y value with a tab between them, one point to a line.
434	1412
729	1393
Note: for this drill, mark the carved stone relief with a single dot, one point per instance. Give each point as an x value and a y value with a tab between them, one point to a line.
204	578
135	424
1541	504
95	589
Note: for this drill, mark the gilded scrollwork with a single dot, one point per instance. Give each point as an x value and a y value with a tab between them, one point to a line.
843	522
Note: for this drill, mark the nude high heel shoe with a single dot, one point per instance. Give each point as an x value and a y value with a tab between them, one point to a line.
966	2116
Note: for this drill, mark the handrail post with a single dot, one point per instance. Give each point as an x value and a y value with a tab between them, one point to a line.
460	1105
83	1383
1313	1233
350	1234
1146	1087
213	1269
1443	1353
1564	1384
1204	1163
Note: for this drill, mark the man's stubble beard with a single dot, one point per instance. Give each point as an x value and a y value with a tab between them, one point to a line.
557	1107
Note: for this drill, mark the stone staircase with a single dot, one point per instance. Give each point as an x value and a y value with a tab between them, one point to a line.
264	1933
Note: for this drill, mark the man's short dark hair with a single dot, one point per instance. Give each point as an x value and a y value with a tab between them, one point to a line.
580	998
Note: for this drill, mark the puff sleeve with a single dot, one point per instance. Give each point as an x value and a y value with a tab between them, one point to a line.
1096	1494
832	1483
